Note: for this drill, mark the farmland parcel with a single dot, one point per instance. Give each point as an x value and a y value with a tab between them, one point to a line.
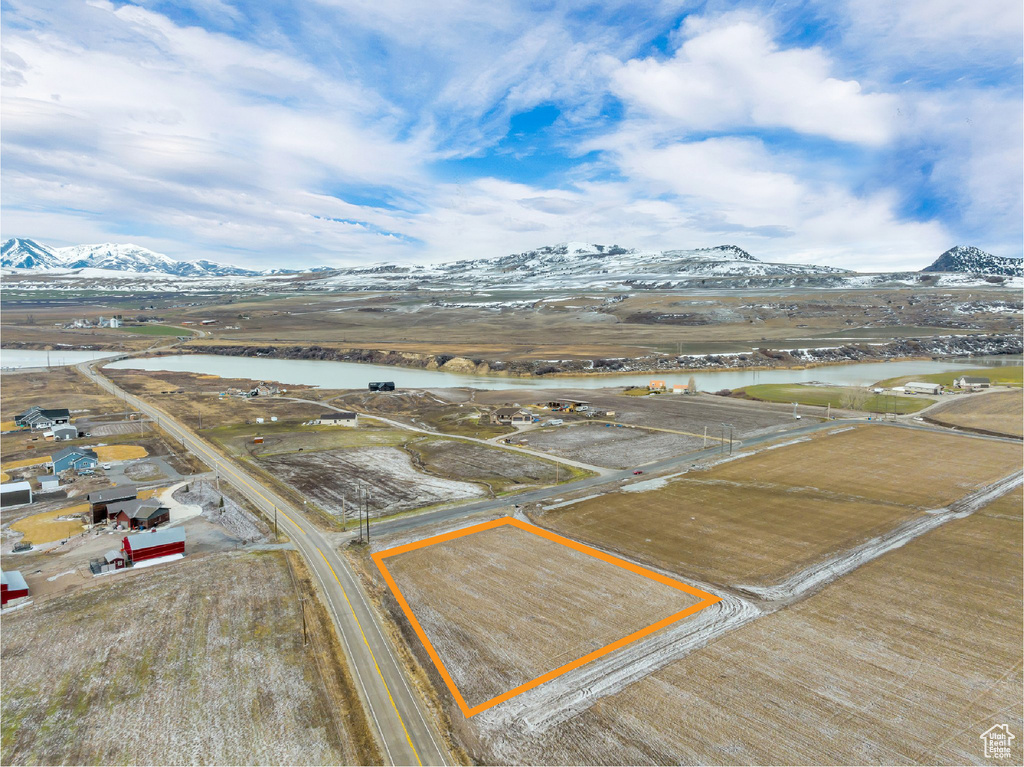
757	519
906	660
160	668
506	606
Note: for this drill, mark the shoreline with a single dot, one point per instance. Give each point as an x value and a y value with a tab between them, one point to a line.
941	349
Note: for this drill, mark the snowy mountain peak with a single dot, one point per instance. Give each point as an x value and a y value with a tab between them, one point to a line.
28	254
728	251
976	261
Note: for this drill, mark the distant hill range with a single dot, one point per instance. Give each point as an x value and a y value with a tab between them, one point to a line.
567	266
973	260
29	254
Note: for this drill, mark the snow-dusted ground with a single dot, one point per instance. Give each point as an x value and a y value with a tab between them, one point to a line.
203	495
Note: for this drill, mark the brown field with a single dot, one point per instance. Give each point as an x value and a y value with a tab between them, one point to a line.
588	327
162	669
756	520
45	527
905	466
56	387
998	412
907	660
199	398
120	452
504	606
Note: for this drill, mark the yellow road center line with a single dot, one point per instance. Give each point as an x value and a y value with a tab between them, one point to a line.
383	681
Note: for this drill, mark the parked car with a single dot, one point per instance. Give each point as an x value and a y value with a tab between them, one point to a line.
638	471
106	467
22	546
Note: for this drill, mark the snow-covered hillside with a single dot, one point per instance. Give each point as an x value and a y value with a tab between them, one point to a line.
973	260
28	254
29	265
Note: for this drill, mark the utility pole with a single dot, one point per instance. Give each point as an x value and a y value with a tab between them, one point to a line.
828	412
705	436
367	519
722	443
302	607
730	440
344	519
275	523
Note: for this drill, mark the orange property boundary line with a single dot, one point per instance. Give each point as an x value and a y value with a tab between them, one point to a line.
706	601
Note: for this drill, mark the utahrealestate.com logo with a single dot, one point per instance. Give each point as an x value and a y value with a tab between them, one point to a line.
997	741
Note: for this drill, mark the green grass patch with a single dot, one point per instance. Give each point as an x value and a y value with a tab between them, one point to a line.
640	391
1010	375
847	397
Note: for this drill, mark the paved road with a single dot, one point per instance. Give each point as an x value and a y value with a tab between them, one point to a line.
405	732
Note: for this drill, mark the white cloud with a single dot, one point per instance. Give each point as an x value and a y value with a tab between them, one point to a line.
729	73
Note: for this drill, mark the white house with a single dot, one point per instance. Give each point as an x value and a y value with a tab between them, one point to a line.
338	418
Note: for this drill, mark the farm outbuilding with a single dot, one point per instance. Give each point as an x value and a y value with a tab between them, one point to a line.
64	432
15	494
49	484
381	386
101	499
12	586
338	419
138	514
76	458
162	543
920	387
972	383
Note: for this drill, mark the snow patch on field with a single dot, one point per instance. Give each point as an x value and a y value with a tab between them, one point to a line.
570	502
649	484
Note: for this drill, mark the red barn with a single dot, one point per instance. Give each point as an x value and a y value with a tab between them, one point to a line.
161	543
12	586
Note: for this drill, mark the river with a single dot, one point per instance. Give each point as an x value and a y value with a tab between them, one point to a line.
33	358
356	375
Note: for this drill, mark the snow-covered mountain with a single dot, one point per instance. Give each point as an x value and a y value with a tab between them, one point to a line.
28	254
976	261
29	265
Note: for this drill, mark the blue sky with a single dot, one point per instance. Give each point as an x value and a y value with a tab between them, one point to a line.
859	133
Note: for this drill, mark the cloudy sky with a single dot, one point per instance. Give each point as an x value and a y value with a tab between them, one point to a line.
862	133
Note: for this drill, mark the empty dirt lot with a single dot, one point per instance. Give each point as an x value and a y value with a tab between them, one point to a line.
500	470
334	479
906	660
160	668
665	411
758	519
503	606
611	447
998	412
